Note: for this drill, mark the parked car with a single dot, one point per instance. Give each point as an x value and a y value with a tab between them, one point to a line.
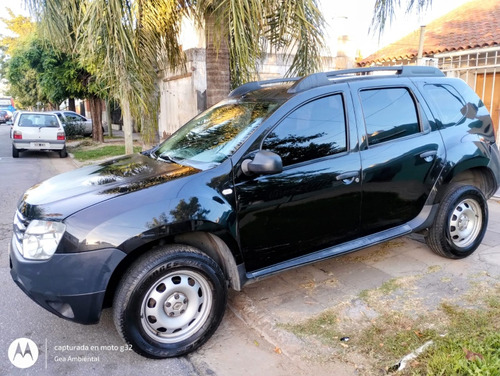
281	174
12	121
38	131
4	117
70	117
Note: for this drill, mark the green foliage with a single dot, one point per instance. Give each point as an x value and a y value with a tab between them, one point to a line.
18	25
74	130
295	28
38	73
471	346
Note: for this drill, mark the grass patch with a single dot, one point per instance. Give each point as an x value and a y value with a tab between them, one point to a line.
323	327
471	346
466	339
434	269
100	152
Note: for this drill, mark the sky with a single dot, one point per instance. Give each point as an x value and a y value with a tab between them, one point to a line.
354	16
351	17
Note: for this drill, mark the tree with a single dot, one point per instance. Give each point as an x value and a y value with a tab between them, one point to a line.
39	74
19	25
59	25
125	43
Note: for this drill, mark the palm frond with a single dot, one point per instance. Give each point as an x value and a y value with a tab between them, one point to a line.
298	28
385	10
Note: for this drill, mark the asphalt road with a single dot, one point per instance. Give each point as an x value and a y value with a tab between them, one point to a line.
65	348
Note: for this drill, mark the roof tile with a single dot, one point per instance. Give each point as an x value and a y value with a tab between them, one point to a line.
472	25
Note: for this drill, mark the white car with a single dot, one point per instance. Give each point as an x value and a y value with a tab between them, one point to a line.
70	117
38	131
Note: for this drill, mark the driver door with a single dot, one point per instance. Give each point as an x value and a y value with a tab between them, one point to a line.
315	201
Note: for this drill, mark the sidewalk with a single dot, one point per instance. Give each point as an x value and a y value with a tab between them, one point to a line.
497	195
417	282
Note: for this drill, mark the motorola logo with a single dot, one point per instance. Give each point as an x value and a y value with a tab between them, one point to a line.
23	352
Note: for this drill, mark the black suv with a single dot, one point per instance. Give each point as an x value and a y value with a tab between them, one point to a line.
281	174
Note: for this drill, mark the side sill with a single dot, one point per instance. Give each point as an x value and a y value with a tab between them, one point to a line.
334	251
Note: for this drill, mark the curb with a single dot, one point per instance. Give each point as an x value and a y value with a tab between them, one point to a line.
261	321
285	343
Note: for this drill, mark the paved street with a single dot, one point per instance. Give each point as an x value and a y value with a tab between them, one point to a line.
251	339
20	317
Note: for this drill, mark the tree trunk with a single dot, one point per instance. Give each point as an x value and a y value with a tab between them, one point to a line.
217	61
71	104
109	120
96	113
127	126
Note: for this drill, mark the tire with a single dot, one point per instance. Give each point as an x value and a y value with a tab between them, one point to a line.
63	153
170	302
15	152
460	223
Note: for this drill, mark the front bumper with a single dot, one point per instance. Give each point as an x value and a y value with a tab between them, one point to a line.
71	285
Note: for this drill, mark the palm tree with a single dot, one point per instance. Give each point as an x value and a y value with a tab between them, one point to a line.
61	21
126	43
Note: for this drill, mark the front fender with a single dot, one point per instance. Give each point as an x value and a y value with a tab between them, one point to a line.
133	220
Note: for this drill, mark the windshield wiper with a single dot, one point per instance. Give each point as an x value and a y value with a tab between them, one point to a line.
166	158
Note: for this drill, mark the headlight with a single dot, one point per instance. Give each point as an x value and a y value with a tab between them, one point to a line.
41	239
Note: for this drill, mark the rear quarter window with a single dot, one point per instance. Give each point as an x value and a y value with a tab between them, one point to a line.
446	103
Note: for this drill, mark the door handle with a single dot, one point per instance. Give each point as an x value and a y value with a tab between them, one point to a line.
428	156
348	177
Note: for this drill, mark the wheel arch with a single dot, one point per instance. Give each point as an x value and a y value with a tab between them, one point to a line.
481	177
208	243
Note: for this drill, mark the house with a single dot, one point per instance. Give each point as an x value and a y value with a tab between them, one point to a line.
463	43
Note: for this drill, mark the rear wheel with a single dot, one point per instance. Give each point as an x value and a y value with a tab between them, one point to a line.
170	302
15	152
460	223
63	153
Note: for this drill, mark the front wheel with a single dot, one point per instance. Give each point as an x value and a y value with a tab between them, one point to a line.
460	223
170	302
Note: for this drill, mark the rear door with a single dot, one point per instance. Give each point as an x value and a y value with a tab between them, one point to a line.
401	153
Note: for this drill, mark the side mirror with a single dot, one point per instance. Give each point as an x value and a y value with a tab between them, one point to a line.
264	162
9	122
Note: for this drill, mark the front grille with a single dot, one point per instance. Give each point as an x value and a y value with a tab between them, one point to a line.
19	227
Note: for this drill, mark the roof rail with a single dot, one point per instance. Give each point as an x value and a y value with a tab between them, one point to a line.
251	86
323	78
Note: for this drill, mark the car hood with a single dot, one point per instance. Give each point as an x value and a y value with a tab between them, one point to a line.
67	193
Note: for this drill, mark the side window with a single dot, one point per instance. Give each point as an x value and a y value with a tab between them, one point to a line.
72	117
446	103
389	113
314	130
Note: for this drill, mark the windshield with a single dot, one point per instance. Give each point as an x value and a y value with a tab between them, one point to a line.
215	134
